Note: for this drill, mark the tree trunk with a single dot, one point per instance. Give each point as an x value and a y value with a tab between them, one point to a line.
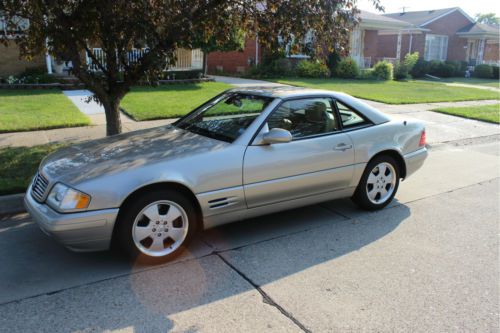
113	121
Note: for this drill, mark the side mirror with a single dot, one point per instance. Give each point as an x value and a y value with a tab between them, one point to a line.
276	135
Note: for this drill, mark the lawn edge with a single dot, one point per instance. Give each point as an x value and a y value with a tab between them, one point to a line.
464	117
89	123
392	103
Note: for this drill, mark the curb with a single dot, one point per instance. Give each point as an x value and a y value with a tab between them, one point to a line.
12	204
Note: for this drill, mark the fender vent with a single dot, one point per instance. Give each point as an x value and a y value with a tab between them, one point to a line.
222	202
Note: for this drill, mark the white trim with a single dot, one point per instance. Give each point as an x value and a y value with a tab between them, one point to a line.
414	31
398	47
447	13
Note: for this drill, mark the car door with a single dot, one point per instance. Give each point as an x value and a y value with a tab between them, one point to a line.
318	160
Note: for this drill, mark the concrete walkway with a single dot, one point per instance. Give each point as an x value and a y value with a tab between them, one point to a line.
440	127
84	102
476	86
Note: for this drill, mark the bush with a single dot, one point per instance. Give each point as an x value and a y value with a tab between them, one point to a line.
365	74
347	68
383	70
421	68
312	69
441	69
282	67
402	69
494	69
333	61
483	71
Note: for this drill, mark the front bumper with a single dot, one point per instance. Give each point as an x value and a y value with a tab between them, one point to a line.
82	232
415	160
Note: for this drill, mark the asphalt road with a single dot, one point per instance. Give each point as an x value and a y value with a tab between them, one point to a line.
427	263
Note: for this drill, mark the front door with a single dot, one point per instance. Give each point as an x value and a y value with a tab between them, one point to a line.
319	159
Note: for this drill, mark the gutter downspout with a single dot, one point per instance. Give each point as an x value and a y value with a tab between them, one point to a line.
411	40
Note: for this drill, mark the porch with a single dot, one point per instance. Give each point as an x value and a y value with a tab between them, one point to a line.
363	41
482	44
186	60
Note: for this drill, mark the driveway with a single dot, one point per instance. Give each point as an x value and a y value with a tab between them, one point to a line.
427	263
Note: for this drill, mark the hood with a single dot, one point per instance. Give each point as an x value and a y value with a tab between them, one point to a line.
123	152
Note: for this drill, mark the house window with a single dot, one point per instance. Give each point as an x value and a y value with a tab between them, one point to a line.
436	47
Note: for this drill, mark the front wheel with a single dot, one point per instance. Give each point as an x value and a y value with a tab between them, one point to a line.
157	227
379	183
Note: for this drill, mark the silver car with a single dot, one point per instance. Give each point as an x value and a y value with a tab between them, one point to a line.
244	153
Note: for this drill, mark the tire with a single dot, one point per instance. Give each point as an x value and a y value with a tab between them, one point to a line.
157	226
376	190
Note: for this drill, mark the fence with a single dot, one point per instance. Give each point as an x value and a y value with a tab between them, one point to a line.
186	59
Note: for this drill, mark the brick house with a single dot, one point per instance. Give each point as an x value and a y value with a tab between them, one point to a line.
364	38
12	64
363	46
442	34
235	61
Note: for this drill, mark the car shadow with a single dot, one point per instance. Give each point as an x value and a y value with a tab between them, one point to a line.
111	293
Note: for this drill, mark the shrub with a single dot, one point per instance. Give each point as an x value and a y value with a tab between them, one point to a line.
402	69
347	68
421	68
365	74
312	69
332	62
441	69
282	67
494	69
483	71
383	70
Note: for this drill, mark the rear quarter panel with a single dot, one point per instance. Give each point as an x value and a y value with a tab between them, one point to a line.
402	136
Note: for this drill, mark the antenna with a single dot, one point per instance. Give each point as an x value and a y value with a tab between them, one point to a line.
403	9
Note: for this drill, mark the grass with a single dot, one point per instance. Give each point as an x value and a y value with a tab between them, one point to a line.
28	110
169	101
19	164
489	113
472	81
396	92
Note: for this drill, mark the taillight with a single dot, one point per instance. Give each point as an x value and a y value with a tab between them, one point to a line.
423	140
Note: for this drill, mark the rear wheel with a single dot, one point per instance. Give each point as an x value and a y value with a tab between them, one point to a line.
379	183
157	227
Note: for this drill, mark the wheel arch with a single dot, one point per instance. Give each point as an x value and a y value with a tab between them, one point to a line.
396	156
157	187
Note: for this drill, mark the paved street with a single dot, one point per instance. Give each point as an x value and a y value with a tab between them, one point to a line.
427	263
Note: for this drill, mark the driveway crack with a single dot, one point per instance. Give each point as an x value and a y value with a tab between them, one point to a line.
265	297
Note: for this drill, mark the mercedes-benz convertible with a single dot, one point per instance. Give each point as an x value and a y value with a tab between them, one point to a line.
244	153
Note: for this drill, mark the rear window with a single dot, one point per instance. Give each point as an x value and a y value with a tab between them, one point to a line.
350	118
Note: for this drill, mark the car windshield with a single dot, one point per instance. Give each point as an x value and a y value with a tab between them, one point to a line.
225	117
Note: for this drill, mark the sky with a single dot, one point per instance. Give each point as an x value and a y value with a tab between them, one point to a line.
471	7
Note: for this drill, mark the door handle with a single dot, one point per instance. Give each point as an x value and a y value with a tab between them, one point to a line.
342	147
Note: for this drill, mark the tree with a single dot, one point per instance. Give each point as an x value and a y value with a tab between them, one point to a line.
489	18
68	29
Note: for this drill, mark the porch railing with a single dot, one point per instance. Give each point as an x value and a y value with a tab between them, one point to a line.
186	59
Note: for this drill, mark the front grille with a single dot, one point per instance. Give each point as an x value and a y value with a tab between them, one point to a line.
39	187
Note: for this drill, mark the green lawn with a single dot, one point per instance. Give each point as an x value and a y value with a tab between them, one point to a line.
18	165
489	113
27	110
396	92
473	81
169	101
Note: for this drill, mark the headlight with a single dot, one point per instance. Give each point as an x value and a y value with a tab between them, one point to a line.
63	197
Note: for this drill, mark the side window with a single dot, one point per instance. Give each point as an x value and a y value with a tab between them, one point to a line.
349	117
305	117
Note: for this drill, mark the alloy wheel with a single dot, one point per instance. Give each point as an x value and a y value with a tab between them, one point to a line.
160	228
381	183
